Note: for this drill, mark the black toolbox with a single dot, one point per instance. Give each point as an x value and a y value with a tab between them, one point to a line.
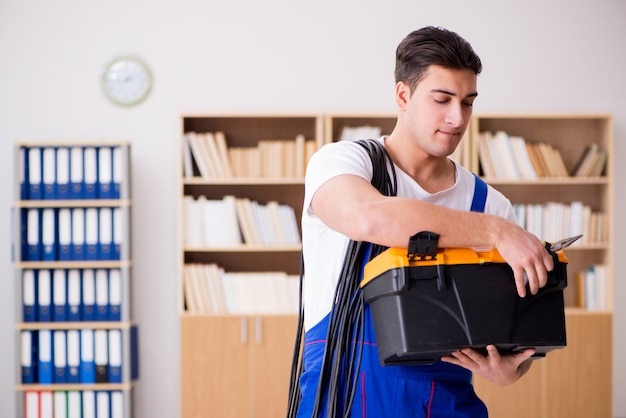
427	307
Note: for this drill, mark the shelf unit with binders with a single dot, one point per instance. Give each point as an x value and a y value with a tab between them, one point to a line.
237	362
76	344
575	381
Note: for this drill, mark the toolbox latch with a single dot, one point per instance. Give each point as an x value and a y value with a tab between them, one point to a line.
423	245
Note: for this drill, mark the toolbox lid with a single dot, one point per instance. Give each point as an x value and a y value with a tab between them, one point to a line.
396	257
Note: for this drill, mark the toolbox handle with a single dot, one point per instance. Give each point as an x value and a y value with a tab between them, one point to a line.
423	245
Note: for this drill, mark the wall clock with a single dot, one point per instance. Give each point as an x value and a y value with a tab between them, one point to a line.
127	81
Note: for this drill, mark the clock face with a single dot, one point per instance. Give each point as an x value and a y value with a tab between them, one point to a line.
127	81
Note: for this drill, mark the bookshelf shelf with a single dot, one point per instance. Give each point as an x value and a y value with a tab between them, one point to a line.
567	181
104	203
245	249
124	387
73	325
298	181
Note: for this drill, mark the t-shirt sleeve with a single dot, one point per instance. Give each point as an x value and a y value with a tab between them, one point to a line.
335	159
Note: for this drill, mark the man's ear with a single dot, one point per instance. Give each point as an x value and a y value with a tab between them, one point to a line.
403	95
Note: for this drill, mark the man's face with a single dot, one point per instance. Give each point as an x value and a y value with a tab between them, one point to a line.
438	111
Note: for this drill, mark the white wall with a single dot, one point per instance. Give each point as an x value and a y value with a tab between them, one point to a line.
269	56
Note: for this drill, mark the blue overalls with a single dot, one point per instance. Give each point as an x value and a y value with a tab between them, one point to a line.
439	390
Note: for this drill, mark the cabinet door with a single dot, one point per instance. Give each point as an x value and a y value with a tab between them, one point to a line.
571	382
522	399
271	355
214	367
578	378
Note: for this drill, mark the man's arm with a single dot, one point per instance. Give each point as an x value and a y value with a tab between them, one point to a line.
350	205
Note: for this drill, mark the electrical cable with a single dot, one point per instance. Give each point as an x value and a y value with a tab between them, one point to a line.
344	340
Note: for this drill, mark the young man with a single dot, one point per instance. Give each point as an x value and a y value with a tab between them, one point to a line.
436	74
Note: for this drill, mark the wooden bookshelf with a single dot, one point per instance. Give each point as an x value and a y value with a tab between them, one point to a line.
239	365
574	381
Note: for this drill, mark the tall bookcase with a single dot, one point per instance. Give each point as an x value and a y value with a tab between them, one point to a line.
575	381
237	365
75	340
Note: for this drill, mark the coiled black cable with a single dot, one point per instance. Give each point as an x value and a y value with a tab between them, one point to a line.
344	340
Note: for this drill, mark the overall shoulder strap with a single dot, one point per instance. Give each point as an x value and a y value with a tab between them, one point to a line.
480	195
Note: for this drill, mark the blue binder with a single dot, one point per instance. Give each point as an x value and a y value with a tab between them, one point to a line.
115	295
23	172
134	352
74	291
105	173
74	407
88	295
33	235
34	173
117	404
29	295
65	234
77	182
91	234
48	234
45	356
87	365
28	358
90	173
105	233
118	228
103	404
77	247
102	295
89	403
63	173
60	356
73	356
49	173
115	356
118	170
44	296
59	295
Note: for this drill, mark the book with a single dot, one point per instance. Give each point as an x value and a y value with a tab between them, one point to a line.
484	157
222	148
584	160
199	155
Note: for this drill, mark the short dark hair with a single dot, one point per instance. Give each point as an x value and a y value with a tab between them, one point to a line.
433	46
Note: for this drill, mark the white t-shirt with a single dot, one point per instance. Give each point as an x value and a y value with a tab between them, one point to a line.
324	249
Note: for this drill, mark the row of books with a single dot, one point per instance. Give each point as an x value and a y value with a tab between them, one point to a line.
353	133
70	172
64	234
511	157
208	155
211	290
71	295
553	221
591	288
233	221
85	356
591	162
74	404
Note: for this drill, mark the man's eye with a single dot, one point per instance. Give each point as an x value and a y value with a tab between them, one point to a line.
442	101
